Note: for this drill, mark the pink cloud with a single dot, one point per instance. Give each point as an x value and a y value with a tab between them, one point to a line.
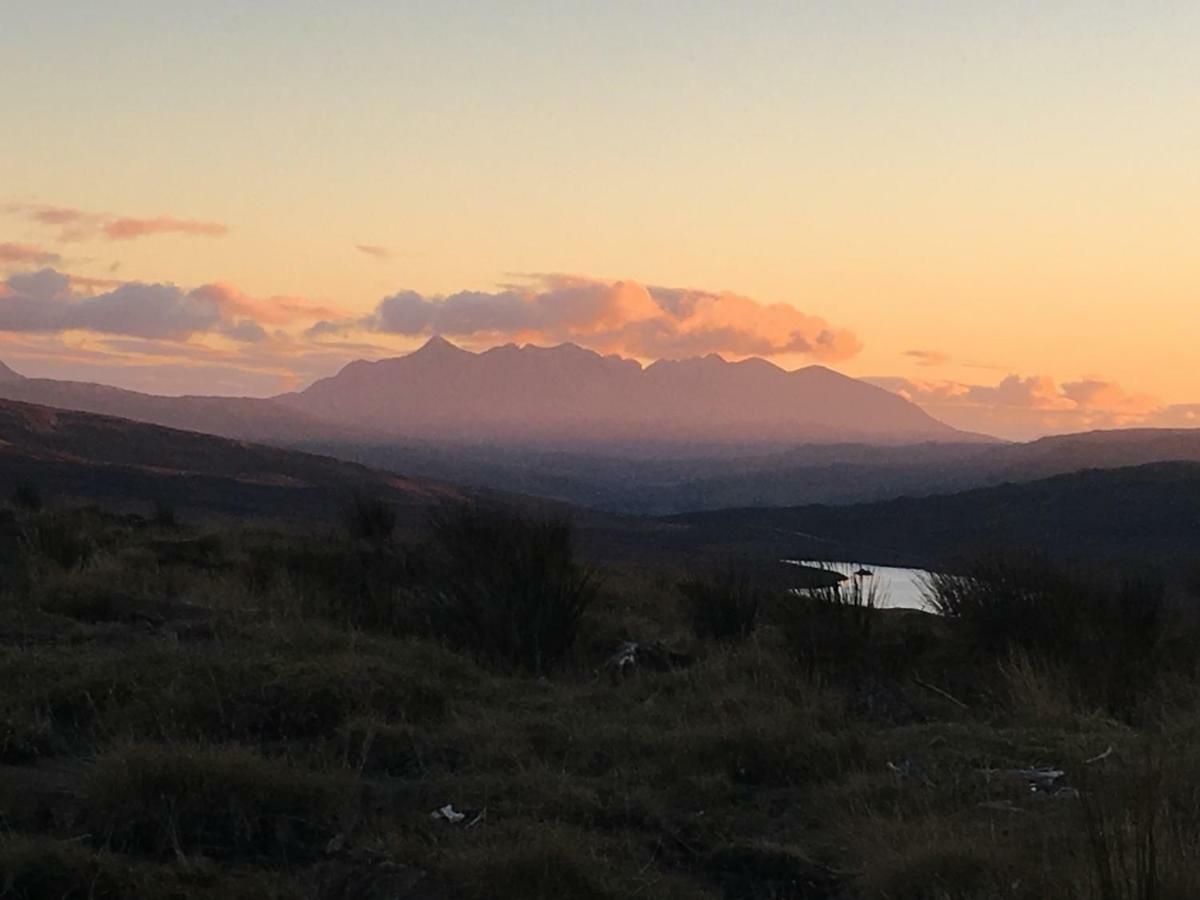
125	229
1024	407
50	302
79	225
928	357
28	254
625	317
374	250
277	310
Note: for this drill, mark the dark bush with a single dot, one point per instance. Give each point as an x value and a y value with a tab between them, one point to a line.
506	585
33	868
724	603
1142	827
833	624
165	515
1008	599
61	538
27	496
1107	631
221	802
370	519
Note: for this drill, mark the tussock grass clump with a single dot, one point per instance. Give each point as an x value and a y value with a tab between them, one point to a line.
1142	823
548	863
164	514
723	603
27	496
832	626
217	801
60	538
34	868
506	585
1106	634
370	519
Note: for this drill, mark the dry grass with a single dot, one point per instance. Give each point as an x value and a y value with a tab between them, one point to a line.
248	714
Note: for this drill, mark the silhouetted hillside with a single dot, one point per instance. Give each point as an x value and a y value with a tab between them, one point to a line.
244	418
1145	513
83	456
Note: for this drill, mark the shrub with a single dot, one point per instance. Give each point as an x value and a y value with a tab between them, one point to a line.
42	867
61	538
1108	634
165	515
833	624
506	585
370	519
724	603
219	801
1143	831
27	496
1023	600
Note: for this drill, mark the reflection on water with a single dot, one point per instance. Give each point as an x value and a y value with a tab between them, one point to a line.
895	588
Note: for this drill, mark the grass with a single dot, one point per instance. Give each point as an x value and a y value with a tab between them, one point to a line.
249	713
724	603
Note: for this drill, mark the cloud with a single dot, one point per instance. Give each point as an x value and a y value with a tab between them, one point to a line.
1032	392
78	225
1029	406
374	250
89	282
618	316
928	357
126	229
276	310
47	302
27	254
1094	393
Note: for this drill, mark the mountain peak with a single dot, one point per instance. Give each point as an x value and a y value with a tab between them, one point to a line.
438	346
7	374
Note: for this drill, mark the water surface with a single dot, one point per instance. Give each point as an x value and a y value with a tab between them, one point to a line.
896	588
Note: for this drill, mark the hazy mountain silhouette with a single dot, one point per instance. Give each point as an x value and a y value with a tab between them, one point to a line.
569	396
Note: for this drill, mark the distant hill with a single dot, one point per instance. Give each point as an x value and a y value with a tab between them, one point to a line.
811	473
1148	513
80	456
570	425
567	396
244	418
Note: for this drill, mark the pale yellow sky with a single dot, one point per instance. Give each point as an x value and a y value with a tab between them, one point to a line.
1008	188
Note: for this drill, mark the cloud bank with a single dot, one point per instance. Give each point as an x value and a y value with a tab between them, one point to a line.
126	229
609	316
48	301
26	254
1027	406
80	225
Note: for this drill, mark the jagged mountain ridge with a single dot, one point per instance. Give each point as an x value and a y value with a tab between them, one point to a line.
569	395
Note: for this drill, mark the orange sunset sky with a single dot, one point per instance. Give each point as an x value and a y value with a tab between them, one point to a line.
993	209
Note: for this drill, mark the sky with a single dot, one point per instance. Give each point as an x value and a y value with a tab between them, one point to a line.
993	209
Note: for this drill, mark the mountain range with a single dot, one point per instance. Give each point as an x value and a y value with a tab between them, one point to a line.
608	433
562	396
567	396
1144	514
